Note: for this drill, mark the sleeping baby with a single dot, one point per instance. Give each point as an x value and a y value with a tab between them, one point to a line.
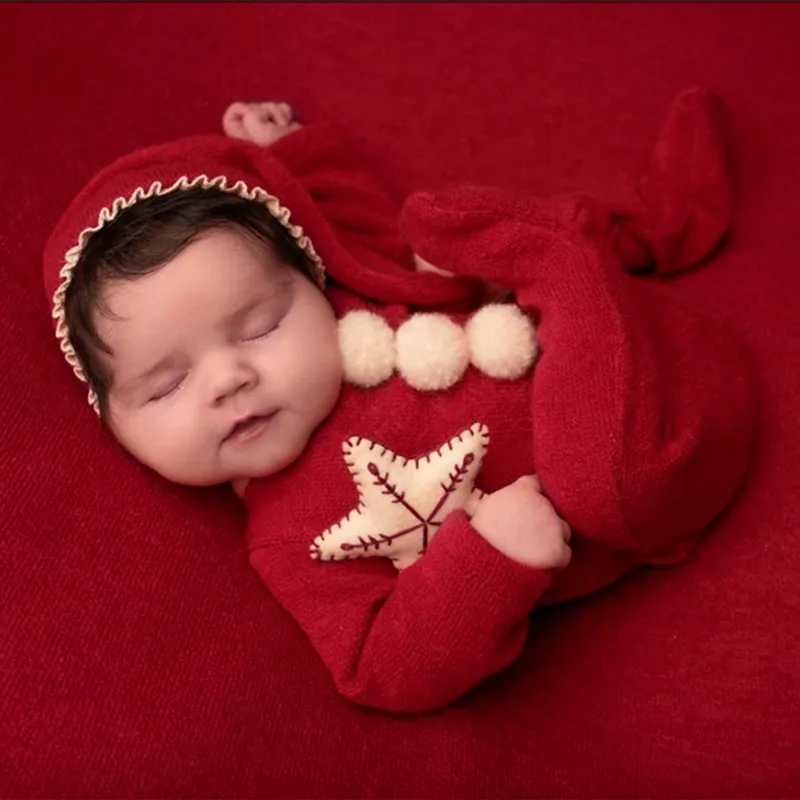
422	467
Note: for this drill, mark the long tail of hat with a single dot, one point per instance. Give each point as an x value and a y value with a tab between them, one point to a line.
643	411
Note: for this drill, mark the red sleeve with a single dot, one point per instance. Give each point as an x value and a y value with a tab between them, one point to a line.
416	640
347	191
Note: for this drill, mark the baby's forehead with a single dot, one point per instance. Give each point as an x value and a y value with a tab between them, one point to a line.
201	283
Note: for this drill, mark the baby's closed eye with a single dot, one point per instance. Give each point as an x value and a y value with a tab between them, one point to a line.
165	388
260	331
259	326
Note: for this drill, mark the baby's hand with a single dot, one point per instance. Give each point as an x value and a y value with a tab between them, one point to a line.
260	123
520	522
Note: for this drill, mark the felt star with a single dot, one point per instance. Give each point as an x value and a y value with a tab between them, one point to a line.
403	501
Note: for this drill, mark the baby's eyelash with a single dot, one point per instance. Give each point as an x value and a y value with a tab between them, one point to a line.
162	395
262	335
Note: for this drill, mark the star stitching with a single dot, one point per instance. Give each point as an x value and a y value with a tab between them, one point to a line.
403	501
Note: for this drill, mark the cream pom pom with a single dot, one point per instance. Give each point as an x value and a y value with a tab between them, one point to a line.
432	352
502	341
366	343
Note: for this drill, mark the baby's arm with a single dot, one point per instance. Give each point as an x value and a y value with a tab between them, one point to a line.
415	641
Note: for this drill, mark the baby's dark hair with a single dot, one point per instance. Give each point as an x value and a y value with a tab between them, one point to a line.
143	238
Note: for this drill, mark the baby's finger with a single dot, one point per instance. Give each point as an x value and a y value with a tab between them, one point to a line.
233	120
529	482
565	559
287	111
278	113
258	130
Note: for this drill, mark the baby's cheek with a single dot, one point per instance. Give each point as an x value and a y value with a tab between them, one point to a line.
189	447
170	445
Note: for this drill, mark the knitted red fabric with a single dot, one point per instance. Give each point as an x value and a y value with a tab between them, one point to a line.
141	654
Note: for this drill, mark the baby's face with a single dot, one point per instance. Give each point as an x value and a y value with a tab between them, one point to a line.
224	362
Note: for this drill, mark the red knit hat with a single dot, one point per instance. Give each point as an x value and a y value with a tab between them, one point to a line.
243	169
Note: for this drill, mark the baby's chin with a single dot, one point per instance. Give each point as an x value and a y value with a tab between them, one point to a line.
269	464
272	465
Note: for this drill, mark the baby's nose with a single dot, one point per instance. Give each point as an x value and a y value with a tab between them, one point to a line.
230	379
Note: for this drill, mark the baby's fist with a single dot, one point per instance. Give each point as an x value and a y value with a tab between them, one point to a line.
520	522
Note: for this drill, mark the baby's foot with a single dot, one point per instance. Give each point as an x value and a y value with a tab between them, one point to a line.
260	123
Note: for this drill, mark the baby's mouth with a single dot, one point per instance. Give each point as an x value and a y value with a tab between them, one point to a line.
249	428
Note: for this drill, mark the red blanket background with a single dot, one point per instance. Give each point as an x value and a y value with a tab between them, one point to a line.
142	657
